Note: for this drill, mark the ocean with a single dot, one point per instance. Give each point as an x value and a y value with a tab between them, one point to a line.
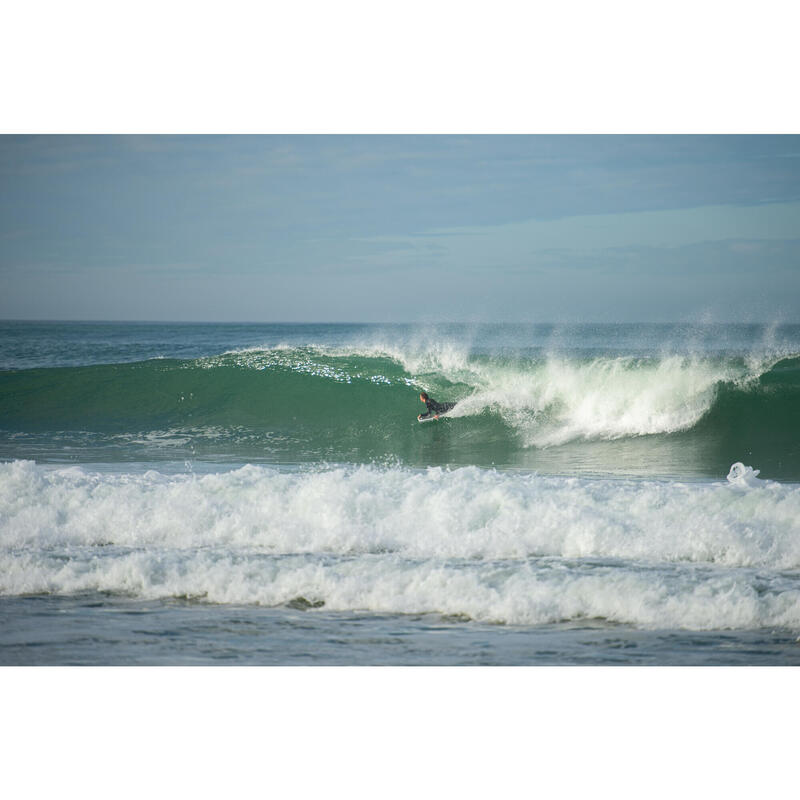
263	494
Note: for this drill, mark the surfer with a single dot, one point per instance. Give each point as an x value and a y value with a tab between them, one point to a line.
434	408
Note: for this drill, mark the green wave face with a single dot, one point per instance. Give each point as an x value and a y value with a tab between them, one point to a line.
671	414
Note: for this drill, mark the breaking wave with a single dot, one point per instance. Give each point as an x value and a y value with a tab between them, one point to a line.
359	403
492	546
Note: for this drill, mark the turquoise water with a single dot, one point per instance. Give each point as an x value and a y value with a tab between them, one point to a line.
580	505
645	400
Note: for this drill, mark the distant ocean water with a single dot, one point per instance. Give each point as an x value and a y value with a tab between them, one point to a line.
174	493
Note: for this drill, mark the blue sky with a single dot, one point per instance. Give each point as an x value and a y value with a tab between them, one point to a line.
400	228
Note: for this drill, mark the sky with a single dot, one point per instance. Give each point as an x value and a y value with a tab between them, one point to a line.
400	228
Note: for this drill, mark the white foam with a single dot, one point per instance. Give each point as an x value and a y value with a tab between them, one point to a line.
522	594
495	546
559	400
743	477
435	513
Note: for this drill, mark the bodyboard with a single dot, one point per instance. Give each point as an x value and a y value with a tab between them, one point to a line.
432	417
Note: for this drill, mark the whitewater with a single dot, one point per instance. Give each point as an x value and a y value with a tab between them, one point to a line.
600	494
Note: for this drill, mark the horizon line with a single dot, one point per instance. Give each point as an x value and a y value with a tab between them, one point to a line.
406	322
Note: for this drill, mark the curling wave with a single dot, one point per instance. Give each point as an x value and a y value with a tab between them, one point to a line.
359	404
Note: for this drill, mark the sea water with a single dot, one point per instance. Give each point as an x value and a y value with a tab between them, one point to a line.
263	494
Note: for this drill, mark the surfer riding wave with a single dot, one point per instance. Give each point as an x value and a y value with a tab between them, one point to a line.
434	408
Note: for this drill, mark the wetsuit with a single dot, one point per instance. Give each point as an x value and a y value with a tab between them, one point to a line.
435	408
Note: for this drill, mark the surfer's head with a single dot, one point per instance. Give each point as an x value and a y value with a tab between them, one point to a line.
423	397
